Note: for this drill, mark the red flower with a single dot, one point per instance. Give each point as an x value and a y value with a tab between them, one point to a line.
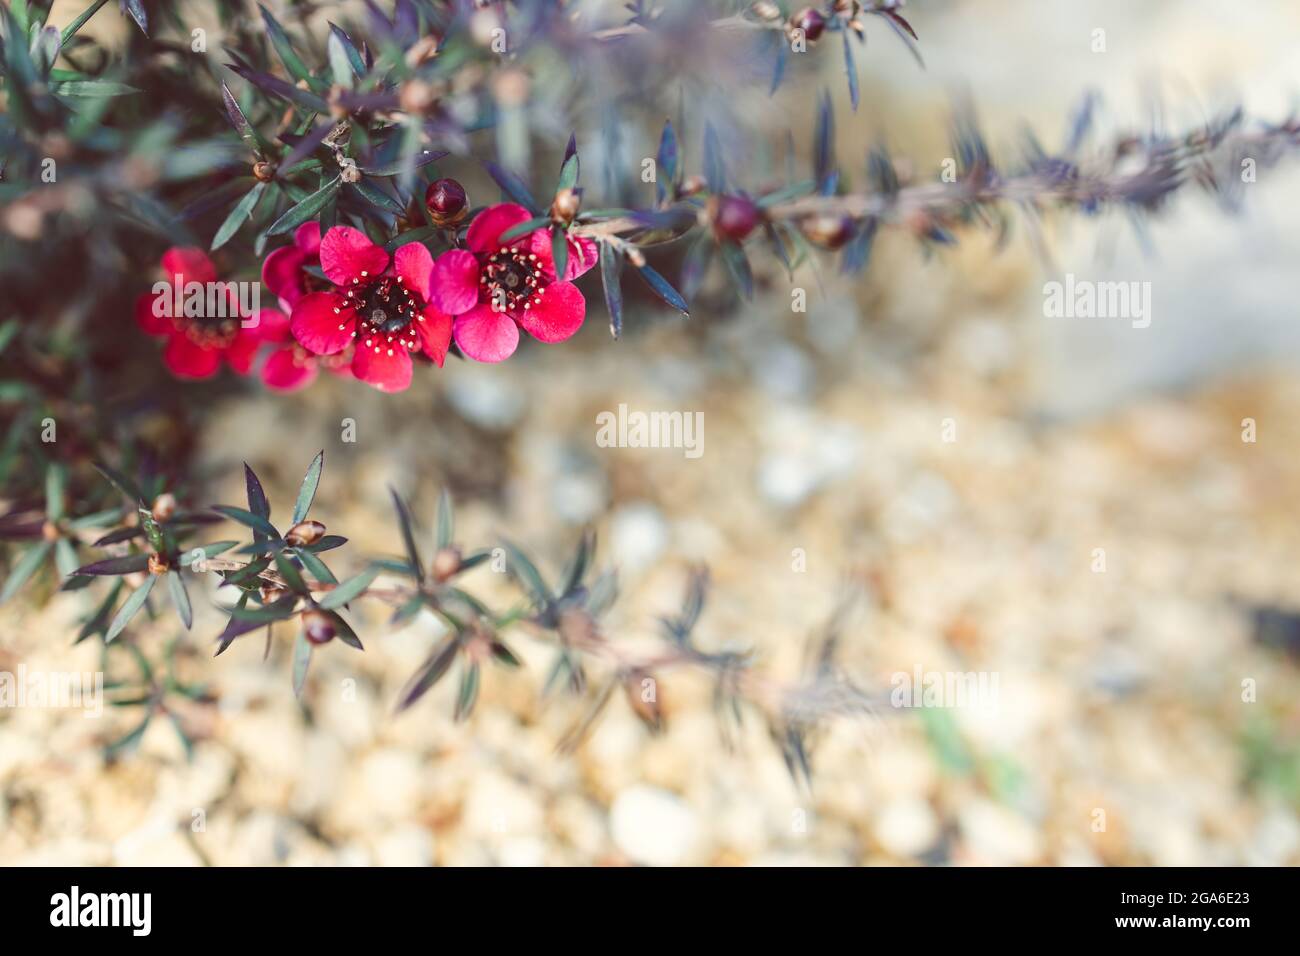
385	312
196	344
290	366
284	270
496	287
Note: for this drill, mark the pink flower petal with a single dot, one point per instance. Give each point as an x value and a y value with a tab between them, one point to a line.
345	253
583	254
454	285
272	326
282	274
435	334
307	238
414	266
191	264
241	352
283	373
387	369
145	318
486	335
559	315
484	235
319	327
184	359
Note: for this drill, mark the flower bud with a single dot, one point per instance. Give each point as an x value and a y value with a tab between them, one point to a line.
566	206
446	563
263	171
164	506
828	230
416	96
50	531
318	627
446	201
304	533
810	22
158	564
693	185
733	217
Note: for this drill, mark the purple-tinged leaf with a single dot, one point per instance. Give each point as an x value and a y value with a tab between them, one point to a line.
128	564
513	187
663	288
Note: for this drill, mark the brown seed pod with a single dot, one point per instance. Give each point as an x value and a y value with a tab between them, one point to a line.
565	207
447	202
164	506
158	564
828	230
317	626
263	171
50	531
445	563
305	533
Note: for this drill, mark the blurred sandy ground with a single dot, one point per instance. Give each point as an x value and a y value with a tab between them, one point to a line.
1119	691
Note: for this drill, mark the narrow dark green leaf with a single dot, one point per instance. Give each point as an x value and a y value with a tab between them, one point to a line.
180	598
378	198
512	186
398	166
611	265
468	692
307	492
55	496
715	170
446	520
316	566
247	518
24	568
408	536
121	482
526	573
136	9
531	225
71	29
129	608
850	68
293	579
666	162
301	661
92	88
662	288
97	623
560	250
284	48
306	209
127	564
428	674
128	743
238	216
738	265
350	589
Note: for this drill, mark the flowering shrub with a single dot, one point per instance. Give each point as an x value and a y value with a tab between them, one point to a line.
318	157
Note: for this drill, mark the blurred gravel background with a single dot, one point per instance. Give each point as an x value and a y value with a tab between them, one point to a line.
1118	691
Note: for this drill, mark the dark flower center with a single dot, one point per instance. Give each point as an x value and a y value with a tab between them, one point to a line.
511	280
207	332
386	312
